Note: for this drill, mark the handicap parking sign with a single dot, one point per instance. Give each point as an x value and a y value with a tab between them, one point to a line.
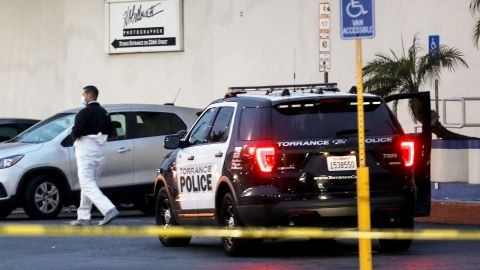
357	19
433	44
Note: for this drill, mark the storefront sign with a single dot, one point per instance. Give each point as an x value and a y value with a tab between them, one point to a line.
144	26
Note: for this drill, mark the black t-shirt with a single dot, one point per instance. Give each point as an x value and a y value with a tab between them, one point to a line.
91	120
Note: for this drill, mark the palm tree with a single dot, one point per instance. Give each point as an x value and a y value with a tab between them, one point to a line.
475	9
407	73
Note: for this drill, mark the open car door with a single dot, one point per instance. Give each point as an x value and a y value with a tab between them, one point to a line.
423	142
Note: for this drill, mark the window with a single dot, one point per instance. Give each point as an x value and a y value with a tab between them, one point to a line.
255	124
7	132
47	129
119	123
202	128
220	129
149	124
330	120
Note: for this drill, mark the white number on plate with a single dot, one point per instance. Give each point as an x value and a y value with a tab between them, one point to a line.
342	163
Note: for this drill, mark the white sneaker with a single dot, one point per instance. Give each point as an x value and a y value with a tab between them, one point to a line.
109	216
80	222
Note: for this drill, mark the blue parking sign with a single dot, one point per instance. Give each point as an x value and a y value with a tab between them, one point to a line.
433	44
357	19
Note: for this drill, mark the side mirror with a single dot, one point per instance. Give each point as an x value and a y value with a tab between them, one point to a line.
182	133
172	141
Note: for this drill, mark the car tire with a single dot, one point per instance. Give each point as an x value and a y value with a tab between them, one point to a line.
233	246
43	197
165	217
405	222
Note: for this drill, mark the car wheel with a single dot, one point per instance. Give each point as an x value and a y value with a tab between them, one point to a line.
233	246
405	222
164	217
43	197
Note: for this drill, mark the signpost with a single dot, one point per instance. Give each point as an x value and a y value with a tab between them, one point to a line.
433	48
143	26
357	22
324	34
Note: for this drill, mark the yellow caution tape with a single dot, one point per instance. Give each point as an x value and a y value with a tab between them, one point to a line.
247	232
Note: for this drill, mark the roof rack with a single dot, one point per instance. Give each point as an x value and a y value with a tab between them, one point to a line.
312	88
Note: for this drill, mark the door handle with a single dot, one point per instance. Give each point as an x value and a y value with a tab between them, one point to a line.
190	157
219	154
123	150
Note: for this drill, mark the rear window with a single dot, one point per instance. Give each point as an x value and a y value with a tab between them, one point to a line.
337	118
255	124
149	124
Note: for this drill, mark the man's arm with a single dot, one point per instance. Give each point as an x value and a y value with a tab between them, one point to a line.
109	126
80	123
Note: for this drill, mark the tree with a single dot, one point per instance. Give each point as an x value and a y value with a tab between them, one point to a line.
475	9
407	73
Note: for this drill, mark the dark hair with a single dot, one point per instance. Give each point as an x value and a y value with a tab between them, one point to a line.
91	90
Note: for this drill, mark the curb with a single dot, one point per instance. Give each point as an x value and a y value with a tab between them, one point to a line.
453	213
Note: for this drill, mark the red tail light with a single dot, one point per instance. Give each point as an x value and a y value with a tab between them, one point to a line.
408	153
265	157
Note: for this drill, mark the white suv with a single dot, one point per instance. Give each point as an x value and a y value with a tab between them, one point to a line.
38	169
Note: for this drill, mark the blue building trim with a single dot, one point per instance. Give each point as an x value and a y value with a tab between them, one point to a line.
455	144
456	192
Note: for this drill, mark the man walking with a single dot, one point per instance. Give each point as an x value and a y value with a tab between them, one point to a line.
92	128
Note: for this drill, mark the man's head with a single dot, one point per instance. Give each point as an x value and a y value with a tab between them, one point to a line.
90	93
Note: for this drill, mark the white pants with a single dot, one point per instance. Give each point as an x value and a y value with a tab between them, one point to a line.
90	155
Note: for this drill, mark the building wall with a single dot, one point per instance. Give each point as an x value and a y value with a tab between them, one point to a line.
50	49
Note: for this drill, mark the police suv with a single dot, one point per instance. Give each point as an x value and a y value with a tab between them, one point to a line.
287	156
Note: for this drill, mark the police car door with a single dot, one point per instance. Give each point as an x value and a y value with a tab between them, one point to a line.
423	141
199	165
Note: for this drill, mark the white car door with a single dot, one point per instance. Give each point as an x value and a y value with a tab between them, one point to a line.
118	169
199	165
150	129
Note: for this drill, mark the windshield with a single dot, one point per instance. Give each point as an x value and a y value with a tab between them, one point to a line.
47	129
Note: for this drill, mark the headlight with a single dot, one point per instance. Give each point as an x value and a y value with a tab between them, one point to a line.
10	161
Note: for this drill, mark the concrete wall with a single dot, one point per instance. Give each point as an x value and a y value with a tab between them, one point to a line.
51	48
455	161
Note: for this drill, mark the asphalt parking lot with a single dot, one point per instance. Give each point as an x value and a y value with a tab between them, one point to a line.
207	253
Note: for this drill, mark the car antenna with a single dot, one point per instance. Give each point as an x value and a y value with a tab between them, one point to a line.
173	103
294	74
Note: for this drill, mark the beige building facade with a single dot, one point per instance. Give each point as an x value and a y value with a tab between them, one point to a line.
50	49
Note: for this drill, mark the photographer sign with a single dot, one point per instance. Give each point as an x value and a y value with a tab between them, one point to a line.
144	26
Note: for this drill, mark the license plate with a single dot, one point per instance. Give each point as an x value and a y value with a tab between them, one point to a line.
342	163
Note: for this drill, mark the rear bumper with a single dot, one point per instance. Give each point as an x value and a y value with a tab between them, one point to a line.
337	212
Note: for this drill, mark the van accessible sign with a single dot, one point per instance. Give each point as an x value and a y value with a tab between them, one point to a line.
144	26
357	19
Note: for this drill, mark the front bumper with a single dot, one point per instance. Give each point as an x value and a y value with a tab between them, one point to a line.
9	179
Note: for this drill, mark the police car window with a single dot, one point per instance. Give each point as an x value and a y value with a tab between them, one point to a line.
220	129
202	128
149	124
119	123
255	124
330	120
